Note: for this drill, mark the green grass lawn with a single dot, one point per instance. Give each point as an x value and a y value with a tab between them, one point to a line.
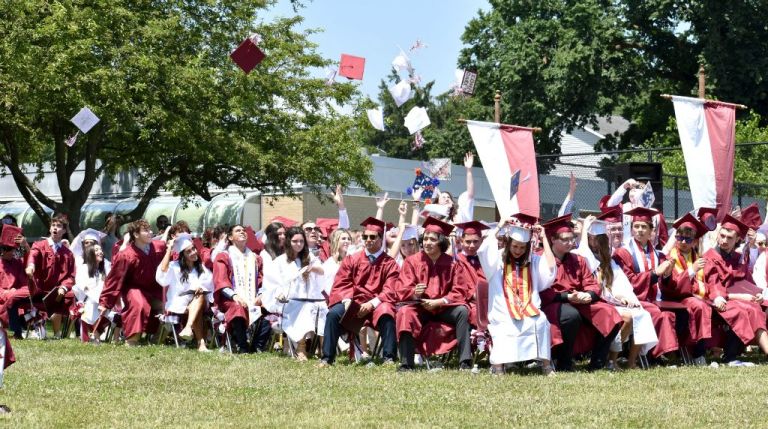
68	384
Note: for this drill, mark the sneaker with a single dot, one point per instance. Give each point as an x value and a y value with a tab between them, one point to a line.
475	370
610	366
465	366
700	361
548	371
323	364
738	363
388	362
714	365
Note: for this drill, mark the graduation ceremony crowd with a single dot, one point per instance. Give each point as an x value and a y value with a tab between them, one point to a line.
621	289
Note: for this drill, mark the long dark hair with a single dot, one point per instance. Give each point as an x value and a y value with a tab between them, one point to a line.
197	266
94	267
603	255
452	210
273	241
303	255
507	255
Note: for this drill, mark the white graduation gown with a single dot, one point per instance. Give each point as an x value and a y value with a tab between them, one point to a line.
643	332
171	279
515	340
298	317
87	291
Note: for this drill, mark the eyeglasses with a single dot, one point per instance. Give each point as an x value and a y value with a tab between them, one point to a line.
311	228
760	243
568	240
684	239
372	237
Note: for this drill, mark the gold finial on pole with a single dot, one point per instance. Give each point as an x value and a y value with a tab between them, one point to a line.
497	107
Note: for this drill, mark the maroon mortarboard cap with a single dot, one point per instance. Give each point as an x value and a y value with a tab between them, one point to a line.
750	216
373	224
390	226
251	241
603	203
690	221
473	227
525	219
435	225
327	225
642	214
285	221
247	55
8	236
352	67
708	216
558	225
730	222
611	214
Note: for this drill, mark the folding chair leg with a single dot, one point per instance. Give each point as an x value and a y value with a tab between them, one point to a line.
644	362
377	349
685	355
175	337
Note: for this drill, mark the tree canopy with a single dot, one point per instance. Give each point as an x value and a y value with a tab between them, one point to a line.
171	102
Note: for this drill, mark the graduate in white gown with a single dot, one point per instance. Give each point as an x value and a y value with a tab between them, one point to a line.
293	287
519	330
617	291
89	281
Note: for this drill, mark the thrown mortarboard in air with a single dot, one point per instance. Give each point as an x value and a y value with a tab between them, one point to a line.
376	118
436	225
690	221
708	216
733	224
468	79
401	92
352	67
750	216
248	55
84	120
416	120
410	232
8	236
402	62
373	224
434	210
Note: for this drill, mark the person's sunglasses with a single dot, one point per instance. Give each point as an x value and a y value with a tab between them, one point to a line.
371	237
684	239
760	243
309	229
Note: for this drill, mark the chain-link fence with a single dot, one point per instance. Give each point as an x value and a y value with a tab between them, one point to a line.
596	176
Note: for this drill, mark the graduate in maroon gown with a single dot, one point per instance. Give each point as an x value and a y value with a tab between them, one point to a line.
434	287
741	311
12	279
645	268
574	300
237	278
14	288
132	278
471	239
686	285
52	265
365	282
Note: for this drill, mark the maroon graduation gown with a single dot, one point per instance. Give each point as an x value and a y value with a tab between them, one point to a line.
445	278
53	269
479	276
679	288
222	279
132	277
361	281
720	274
646	290
574	275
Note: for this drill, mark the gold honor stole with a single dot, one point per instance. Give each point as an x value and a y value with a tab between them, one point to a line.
681	266
517	292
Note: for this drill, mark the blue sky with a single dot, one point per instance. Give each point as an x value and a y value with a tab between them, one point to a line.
373	29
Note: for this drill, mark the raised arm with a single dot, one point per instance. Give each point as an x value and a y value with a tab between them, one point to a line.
567	206
469	161
380	203
338	199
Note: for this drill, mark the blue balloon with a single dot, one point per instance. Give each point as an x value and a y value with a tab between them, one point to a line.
409	191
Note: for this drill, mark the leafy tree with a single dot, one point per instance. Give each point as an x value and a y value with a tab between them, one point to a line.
171	102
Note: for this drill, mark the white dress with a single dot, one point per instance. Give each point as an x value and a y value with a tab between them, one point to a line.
643	332
515	340
88	289
306	309
177	298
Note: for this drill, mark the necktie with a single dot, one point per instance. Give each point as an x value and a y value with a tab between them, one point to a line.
371	258
473	259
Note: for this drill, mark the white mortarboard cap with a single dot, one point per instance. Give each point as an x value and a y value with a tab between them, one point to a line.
85	120
598	227
401	92
417	119
376	117
87	234
434	210
410	232
401	62
518	233
182	242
